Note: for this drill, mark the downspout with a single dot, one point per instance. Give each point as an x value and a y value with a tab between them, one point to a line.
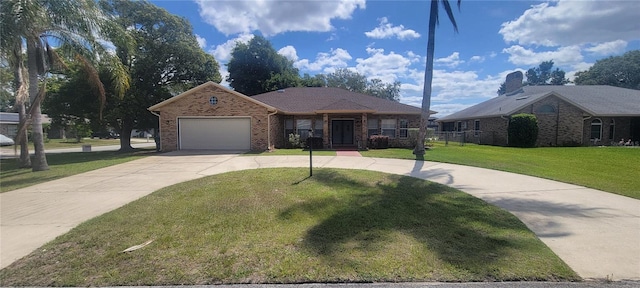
269	129
156	136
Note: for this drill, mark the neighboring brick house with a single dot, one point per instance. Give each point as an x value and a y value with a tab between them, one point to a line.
567	115
213	117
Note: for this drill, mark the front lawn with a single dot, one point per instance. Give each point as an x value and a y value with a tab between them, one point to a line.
63	165
283	227
611	169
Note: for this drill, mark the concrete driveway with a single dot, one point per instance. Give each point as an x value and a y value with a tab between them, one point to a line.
594	232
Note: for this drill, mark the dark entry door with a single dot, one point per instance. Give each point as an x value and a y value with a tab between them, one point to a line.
342	132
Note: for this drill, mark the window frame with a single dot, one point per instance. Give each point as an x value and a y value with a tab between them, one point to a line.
593	125
388	129
370	127
404	131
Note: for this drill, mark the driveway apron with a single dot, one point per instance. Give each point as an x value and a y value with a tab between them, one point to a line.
594	232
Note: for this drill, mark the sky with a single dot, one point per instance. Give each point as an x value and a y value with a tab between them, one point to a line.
387	39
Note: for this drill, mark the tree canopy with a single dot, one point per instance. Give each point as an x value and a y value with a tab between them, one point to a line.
543	75
620	71
256	67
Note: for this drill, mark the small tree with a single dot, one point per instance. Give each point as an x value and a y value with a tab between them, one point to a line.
523	130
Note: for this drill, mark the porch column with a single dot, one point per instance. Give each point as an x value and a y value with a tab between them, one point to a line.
325	130
365	131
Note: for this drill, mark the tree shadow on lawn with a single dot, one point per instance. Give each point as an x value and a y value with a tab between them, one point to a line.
445	222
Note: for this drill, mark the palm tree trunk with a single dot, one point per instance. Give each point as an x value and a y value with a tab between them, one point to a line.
428	79
20	86
125	135
25	159
39	162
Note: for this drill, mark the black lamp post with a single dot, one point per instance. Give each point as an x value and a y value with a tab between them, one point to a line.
310	142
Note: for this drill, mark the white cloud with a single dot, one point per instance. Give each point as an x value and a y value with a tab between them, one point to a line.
451	87
477	59
222	52
289	52
386	30
570	22
608	48
563	56
201	41
325	62
450	61
386	67
273	17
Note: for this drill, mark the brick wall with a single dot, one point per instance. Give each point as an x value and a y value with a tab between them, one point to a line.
196	103
561	127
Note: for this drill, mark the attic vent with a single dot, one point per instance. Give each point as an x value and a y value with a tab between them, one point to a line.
281	91
522	98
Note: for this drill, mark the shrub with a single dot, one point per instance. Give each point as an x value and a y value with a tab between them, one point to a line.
523	130
379	142
294	140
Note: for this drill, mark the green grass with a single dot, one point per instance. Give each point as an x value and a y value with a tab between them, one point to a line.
282	227
62	165
72	143
610	169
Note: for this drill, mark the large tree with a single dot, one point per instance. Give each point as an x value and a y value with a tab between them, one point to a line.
39	25
160	54
256	67
544	75
428	71
621	71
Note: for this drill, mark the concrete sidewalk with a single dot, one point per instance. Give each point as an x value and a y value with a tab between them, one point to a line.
594	232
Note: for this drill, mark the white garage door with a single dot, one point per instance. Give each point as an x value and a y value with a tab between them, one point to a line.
215	133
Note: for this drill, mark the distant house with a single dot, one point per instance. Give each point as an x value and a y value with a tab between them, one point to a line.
211	116
9	123
567	115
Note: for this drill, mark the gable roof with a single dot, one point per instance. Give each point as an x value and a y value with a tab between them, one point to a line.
311	100
596	100
202	86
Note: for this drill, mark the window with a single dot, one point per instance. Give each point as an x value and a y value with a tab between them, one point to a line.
612	129
372	127
596	129
476	128
546	109
389	128
288	128
318	128
404	128
302	128
213	100
459	126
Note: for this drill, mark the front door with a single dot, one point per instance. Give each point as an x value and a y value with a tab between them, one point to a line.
342	132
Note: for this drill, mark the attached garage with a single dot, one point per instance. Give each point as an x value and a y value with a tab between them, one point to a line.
212	117
214	133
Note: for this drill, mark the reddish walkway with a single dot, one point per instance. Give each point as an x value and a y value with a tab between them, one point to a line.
348	153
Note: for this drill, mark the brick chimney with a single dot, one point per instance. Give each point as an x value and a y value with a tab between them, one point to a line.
513	83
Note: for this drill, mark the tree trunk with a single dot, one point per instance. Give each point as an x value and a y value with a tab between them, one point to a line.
39	162
25	159
22	94
428	78
125	135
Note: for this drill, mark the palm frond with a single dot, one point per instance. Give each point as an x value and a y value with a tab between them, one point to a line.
94	80
447	8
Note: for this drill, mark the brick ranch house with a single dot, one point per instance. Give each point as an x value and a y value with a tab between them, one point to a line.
212	117
567	115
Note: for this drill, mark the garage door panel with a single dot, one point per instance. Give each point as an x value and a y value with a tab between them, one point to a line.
215	133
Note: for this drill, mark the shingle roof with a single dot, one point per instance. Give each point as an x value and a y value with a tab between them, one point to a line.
597	100
309	100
